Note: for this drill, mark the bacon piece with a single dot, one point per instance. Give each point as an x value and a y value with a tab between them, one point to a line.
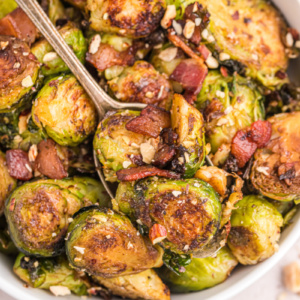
107	56
261	132
247	140
224	71
190	74
157	233
168	136
18	164
133	174
204	51
17	24
47	162
164	155
151	121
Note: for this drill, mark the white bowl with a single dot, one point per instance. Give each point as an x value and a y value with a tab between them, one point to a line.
241	278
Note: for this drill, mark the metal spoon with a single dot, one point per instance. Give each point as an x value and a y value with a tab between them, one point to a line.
102	101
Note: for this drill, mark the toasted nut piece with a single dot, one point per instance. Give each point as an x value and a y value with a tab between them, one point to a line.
291	277
189	29
157	233
169	15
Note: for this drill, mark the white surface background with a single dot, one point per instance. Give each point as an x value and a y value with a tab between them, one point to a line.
269	287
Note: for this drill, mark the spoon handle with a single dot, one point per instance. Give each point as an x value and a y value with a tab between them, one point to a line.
101	100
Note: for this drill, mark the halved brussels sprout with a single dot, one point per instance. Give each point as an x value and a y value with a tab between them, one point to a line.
142	83
275	172
189	210
19	74
250	32
52	63
117	147
188	123
48	273
201	273
105	243
6	244
7	182
144	285
54	9
7	6
255	230
134	19
65	111
230	103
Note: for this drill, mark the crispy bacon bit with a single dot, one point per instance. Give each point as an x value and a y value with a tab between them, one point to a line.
281	74
236	15
247	140
213	110
151	121
47	162
133	174
190	74
204	51
157	233
168	136
17	24
164	155
107	56
18	164
224	71
294	32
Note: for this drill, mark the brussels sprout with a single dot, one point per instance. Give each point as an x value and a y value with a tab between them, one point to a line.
249	32
115	145
134	19
255	230
144	285
7	182
65	111
189	210
142	83
38	213
45	273
81	4
19	74
106	244
54	9
6	244
7	6
275	171
188	123
230	104
201	273
52	63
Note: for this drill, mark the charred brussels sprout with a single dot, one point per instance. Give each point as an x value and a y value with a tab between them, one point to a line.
250	32
275	172
106	244
115	145
54	9
48	273
65	111
201	273
142	83
52	63
230	104
7	182
188	123
255	230
38	213
7	6
19	74
134	19
144	285
187	211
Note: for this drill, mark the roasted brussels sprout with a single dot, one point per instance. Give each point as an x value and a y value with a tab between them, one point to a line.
81	4
6	244
50	273
65	111
38	213
201	273
116	147
144	285
52	63
105	243
54	9
275	172
229	103
188	123
142	83
255	230
187	212
250	32
7	182
19	74
7	6
134	19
